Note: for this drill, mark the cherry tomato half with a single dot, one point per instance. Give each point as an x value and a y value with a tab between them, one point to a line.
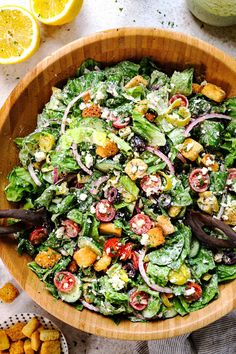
231	179
184	100
126	251
199	181
150	116
105	211
140	224
196	294
120	123
71	228
139	300
38	235
112	247
151	184
134	258
64	281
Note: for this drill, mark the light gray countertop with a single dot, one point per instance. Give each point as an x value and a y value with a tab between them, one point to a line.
98	15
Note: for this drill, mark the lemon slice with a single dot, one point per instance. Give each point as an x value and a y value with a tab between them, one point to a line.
19	34
55	12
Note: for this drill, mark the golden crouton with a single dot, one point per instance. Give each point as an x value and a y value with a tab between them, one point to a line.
208	202
35	341
47	259
92	111
40	328
164	222
110	149
15	332
108	228
87	97
49	334
141	107
155	237
213	92
30	327
174	211
229	216
17	347
51	347
8	293
27	347
208	161
196	88
4	341
190	149
85	257
136	168
136	81
102	263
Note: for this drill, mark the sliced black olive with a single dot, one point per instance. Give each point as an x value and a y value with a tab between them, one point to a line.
137	143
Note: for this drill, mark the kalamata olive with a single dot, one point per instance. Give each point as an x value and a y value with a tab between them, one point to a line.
112	195
129	268
229	258
164	200
137	143
165	149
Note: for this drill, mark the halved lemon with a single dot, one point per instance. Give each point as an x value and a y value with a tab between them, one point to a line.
55	12
19	34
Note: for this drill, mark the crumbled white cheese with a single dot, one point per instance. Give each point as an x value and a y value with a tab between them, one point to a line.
189	146
92	210
82	106
83	196
40	156
116	282
144	240
140	223
204	170
60	232
88	160
102	208
190	291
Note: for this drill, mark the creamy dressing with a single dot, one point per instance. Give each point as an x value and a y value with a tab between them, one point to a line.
214	12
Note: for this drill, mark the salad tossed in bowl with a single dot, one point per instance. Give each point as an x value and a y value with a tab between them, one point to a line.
134	173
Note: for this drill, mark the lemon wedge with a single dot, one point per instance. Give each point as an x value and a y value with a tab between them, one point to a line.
19	34
55	12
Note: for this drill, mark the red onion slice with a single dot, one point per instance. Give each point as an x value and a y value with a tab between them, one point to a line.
78	159
33	175
147	280
67	110
163	157
202	118
55	175
181	157
89	306
97	184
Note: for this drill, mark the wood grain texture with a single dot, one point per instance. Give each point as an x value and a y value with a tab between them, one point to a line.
18	117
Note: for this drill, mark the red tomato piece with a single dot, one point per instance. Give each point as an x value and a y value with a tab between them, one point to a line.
150	116
198	180
196	290
139	300
126	251
120	123
38	235
140	224
112	247
134	258
184	100
105	211
231	178
64	281
71	228
151	184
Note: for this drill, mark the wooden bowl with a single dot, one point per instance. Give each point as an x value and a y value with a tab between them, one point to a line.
18	117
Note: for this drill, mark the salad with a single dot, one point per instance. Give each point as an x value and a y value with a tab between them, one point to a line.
136	172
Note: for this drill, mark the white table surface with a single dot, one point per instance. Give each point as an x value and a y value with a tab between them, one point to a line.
98	15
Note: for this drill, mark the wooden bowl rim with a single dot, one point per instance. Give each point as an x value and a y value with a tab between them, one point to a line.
136	331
